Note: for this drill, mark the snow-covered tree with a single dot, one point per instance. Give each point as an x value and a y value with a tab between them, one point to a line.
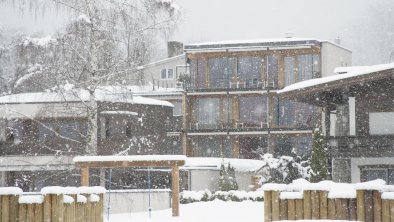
318	158
227	180
103	40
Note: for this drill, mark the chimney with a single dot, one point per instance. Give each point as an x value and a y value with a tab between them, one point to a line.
337	40
289	35
174	48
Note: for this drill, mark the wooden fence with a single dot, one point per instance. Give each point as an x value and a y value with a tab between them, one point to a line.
54	204
343	202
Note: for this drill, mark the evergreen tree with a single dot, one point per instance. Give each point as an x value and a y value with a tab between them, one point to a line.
318	160
227	179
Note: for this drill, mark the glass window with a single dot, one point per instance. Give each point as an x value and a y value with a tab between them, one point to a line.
373	174
209	147
289	70
200	73
284	112
163	74
15	131
308	67
252	147
249	69
381	123
253	111
170	74
208	112
304	145
221	70
46	132
272	71
70	129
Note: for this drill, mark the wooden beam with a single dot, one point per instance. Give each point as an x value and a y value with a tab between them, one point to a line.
175	191
84	176
126	164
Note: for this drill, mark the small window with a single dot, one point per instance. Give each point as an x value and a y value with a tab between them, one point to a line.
167	74
170	74
163	74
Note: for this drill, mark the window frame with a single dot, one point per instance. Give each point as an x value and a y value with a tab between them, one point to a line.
167	71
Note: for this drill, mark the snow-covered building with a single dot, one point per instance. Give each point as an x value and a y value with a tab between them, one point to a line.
358	119
41	132
231	108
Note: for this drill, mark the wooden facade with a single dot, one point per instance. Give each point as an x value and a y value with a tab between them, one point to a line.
266	134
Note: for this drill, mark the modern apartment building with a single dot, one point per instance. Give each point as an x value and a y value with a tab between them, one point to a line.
230	105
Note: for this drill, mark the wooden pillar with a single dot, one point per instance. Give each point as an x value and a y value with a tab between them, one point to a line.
360	205
85	176
186	114
392	210
5	208
331	209
385	210
291	209
275	205
315	204
267	206
299	215
175	191
283	209
323	195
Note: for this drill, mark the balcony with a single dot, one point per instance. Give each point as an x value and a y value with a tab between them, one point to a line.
362	146
234	85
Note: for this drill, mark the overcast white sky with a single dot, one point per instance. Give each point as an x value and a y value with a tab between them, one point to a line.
211	20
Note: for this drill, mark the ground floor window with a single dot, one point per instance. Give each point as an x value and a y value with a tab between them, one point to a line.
212	146
379	172
252	147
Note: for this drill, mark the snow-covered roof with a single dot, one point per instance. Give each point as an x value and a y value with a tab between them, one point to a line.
170	59
350	73
241	165
255	43
77	95
129	158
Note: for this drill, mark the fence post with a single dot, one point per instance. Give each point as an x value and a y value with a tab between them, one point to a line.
360	205
385	210
267	206
307	205
323	195
9	203
331	209
275	205
377	205
299	209
315	204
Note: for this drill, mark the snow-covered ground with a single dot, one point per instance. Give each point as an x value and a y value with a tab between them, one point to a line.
212	211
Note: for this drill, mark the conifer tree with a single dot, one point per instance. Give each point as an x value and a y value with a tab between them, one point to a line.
318	160
227	179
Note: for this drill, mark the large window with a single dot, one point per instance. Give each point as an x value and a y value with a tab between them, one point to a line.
253	111
197	73
208	112
308	67
292	114
272	71
372	173
289	70
381	123
167	74
252	147
220	71
284	113
212	147
249	69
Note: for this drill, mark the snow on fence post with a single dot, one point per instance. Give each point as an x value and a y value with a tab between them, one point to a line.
31	208
9	203
93	209
53	203
342	201
272	201
68	208
369	202
80	212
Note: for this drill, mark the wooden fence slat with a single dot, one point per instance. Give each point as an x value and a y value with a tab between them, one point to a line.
22	212
377	206
307	205
360	205
283	210
299	209
267	206
385	210
338	209
291	210
275	205
80	212
47	208
391	210
345	209
368	206
14	208
38	212
353	209
331	209
30	212
315	204
323	195
5	208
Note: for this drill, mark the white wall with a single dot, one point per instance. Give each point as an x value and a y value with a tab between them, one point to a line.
153	71
333	56
201	179
127	201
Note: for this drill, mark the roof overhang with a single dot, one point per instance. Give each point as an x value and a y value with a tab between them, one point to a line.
331	89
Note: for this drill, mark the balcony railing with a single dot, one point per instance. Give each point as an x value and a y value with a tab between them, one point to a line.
224	83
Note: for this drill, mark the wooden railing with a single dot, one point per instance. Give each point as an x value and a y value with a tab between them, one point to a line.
55	204
371	201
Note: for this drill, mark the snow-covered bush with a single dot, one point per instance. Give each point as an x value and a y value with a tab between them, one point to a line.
232	195
283	169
